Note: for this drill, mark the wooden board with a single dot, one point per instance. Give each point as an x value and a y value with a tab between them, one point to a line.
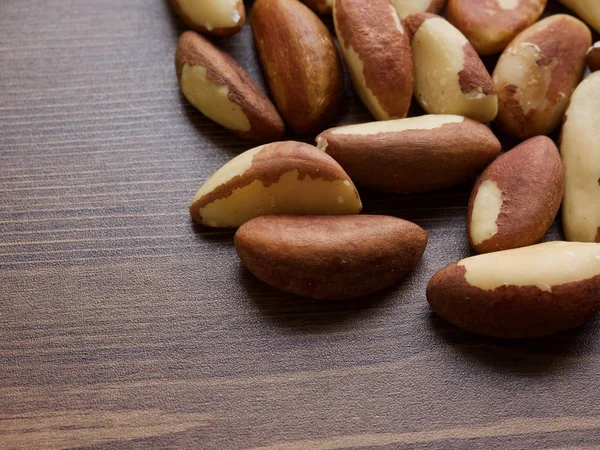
125	326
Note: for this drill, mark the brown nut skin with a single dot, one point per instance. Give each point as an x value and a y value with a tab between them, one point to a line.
552	52
301	63
319	6
416	159
221	69
512	311
531	181
488	26
330	257
378	55
218	32
593	57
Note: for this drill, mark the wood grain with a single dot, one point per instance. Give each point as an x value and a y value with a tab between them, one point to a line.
124	326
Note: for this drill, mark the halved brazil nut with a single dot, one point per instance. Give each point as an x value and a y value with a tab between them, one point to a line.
418	154
449	75
301	63
405	8
214	17
330	258
219	88
377	52
491	24
520	293
514	202
537	73
579	148
279	178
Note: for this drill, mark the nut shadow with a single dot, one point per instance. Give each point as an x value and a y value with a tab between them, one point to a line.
212	235
301	314
534	358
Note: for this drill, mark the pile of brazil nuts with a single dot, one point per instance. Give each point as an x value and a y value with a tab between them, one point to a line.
295	205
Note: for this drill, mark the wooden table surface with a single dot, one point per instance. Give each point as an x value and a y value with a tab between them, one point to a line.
125	326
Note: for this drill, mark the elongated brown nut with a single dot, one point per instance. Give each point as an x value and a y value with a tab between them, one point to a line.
537	73
377	52
418	154
588	10
331	258
279	178
301	63
593	57
490	25
579	150
515	201
521	293
449	76
214	17
405	8
221	90
320	6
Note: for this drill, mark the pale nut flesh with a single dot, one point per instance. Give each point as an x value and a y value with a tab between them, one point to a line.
579	150
278	178
212	17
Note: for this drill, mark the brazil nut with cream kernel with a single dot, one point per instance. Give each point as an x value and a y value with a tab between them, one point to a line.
593	57
580	141
278	178
378	57
330	258
588	10
214	17
537	73
520	293
449	75
515	200
490	25
418	154
220	89
405	8
301	63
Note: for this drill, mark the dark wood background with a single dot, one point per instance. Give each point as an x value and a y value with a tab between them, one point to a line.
125	326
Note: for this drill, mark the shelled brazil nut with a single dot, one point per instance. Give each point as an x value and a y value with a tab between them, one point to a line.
520	293
301	63
327	257
214	17
491	25
515	200
219	88
278	178
449	75
418	154
579	148
377	52
537	73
